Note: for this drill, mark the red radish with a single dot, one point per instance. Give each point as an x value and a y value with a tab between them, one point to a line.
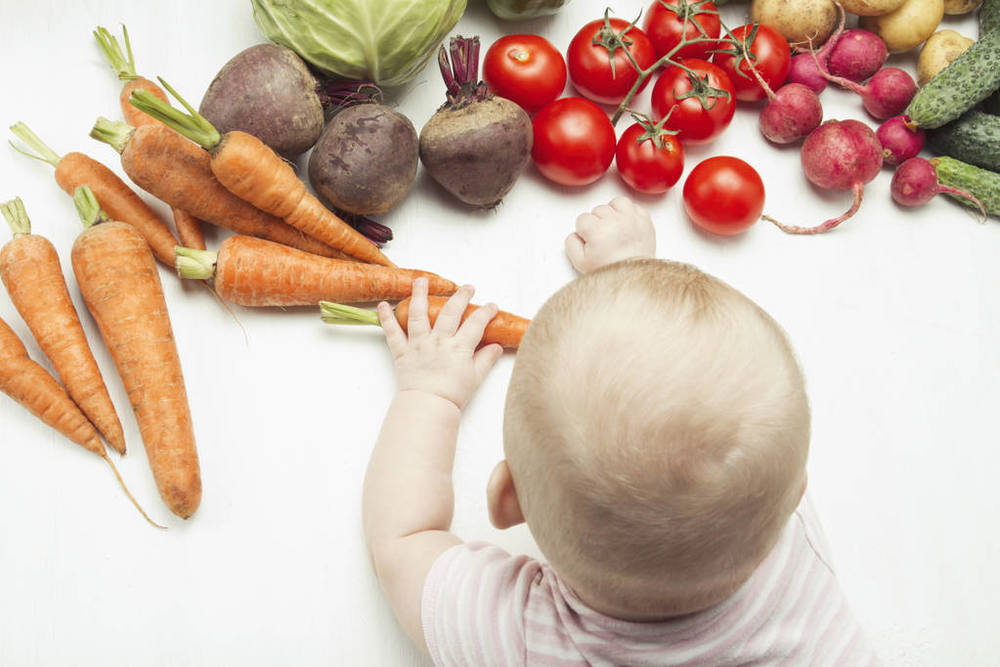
857	55
886	94
916	182
805	69
838	155
790	114
899	142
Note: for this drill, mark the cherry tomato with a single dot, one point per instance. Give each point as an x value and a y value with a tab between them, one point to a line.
649	160
698	123
665	25
590	63
574	141
773	62
525	69
724	195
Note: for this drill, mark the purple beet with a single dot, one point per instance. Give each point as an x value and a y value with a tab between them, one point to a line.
916	182
899	142
857	55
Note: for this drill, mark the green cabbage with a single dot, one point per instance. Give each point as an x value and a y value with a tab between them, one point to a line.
385	41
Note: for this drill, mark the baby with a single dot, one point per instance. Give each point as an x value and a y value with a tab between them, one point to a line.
655	433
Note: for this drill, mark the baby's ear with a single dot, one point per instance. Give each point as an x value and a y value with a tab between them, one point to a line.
501	498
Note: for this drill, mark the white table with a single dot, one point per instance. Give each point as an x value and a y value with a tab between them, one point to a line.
896	318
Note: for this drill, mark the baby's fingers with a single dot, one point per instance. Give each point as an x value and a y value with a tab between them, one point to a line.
575	251
472	329
451	312
417	323
485	359
395	337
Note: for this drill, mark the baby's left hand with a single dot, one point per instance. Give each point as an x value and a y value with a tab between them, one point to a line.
611	233
441	360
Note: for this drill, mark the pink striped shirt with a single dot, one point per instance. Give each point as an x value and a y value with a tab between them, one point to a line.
481	606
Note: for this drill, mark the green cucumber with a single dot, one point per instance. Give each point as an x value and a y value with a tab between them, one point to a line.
992	104
973	138
981	183
989	16
966	82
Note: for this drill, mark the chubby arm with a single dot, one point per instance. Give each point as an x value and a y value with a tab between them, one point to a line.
610	233
408	499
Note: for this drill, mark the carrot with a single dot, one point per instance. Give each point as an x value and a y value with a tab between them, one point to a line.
121	287
173	169
29	268
121	201
252	272
31	385
251	170
123	63
504	329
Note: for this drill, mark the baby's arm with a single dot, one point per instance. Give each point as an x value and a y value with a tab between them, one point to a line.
408	499
610	233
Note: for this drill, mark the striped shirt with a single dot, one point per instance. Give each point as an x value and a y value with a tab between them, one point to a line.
481	606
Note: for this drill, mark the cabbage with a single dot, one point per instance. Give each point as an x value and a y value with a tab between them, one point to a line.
385	41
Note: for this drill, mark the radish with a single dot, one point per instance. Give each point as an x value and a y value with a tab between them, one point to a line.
899	142
916	182
886	94
806	69
791	113
838	155
857	55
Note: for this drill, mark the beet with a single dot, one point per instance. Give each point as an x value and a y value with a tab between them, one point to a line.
916	182
267	91
838	155
477	144
857	55
899	142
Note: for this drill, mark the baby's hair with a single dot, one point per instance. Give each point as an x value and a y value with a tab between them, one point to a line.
656	429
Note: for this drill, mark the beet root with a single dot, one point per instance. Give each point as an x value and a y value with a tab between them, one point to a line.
365	161
267	91
916	182
899	142
793	112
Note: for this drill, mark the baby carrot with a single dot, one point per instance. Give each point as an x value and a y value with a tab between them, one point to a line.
123	63
251	170
121	287
252	272
29	268
504	329
173	169
121	201
31	385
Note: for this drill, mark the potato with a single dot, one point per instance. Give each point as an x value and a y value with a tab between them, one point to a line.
937	53
953	7
908	26
871	7
798	20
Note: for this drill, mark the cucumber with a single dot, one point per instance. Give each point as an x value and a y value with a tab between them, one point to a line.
967	81
973	138
989	16
992	104
981	183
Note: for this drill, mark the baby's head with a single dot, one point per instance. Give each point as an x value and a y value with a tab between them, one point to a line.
656	433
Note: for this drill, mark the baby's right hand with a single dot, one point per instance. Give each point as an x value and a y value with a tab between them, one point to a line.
610	233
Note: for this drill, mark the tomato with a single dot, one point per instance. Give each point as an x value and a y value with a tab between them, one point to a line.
525	69
665	24
773	62
724	195
590	63
648	159
698	123
574	141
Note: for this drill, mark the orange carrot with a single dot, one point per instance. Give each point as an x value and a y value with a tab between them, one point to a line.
31	385
248	167
253	272
121	201
504	329
29	268
121	287
123	63
173	169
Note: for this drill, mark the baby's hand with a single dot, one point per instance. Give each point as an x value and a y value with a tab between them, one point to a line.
610	233
441	360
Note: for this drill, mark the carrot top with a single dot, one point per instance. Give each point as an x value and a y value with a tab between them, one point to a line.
122	64
339	313
195	264
87	207
13	211
31	140
192	124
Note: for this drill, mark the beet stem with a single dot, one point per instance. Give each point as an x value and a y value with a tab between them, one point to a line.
858	189
449	80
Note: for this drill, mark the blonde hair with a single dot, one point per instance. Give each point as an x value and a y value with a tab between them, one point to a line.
656	429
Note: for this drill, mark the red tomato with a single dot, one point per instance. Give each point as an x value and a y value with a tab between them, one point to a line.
590	63
574	141
665	21
724	195
525	69
646	166
696	122
773	62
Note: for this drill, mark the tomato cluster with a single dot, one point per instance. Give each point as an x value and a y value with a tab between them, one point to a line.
700	76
